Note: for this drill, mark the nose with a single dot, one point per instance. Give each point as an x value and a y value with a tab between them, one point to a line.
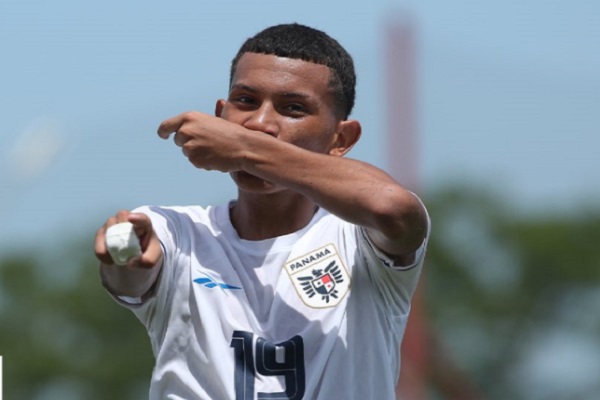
263	119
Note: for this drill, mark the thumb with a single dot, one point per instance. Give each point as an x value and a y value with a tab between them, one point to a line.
149	243
142	225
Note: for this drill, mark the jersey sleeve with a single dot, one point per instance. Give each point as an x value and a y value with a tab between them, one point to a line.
394	283
389	261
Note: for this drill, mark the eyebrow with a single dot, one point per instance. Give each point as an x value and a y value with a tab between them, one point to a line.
294	95
238	86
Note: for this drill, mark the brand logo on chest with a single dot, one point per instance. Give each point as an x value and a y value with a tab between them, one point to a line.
319	277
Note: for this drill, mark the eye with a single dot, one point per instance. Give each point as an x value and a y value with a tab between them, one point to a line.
243	101
295	109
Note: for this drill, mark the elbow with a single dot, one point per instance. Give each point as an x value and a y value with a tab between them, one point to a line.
401	218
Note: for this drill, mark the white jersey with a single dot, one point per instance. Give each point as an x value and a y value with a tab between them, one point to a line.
315	314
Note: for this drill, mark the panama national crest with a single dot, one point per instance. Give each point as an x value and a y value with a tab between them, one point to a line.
320	277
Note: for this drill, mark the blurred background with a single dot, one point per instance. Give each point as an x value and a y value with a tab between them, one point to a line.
503	100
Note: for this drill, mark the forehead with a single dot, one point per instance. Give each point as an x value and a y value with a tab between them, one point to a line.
284	73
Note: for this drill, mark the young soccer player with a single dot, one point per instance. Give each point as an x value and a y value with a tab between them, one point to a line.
300	288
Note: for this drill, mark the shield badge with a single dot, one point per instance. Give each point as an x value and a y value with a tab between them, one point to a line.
320	278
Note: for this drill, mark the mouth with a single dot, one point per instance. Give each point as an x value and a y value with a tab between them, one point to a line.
245	178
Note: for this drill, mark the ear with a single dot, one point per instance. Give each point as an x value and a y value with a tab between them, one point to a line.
219	107
346	137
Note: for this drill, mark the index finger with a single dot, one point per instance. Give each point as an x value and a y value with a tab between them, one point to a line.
170	125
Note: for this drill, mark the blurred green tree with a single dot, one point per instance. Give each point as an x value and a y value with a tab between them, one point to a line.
506	291
61	335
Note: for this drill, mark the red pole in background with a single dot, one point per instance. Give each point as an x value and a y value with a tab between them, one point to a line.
402	147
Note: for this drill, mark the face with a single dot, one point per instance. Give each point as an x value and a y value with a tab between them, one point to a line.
288	99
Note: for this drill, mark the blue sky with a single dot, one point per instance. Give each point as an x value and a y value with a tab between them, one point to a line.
508	96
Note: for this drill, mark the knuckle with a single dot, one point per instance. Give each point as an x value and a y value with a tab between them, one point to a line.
182	135
99	253
122	214
104	257
189	115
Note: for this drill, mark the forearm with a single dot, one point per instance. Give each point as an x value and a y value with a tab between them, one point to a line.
353	190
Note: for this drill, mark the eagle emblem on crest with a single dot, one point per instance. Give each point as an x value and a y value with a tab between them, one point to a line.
320	277
322	282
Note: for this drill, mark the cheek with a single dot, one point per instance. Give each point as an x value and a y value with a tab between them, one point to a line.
315	141
227	114
232	114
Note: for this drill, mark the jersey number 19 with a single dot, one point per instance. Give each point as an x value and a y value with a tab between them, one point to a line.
282	359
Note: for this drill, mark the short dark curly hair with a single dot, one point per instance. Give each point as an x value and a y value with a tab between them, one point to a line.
305	43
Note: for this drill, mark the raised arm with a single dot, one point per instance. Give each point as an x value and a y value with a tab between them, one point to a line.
357	192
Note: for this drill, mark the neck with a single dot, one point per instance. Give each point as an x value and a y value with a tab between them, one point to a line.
258	217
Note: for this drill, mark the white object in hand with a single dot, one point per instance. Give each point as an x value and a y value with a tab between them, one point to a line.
122	243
